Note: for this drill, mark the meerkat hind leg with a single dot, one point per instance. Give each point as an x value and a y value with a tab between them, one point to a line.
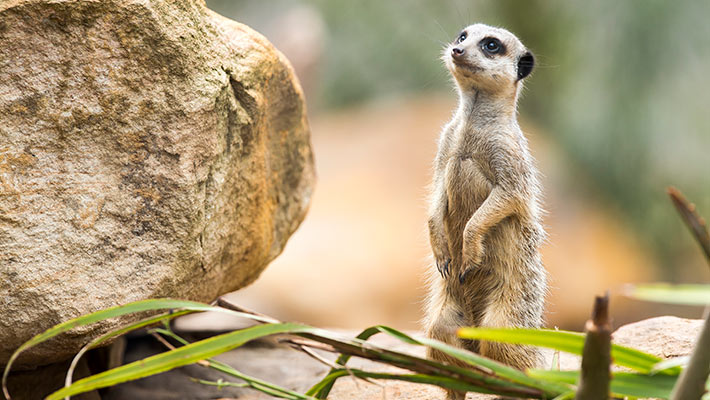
443	328
504	313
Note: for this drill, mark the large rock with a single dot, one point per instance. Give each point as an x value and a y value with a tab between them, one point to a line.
148	148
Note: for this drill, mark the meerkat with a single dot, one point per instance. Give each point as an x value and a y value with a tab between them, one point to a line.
485	213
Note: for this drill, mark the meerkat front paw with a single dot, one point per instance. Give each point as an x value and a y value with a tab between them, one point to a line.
473	252
443	260
440	248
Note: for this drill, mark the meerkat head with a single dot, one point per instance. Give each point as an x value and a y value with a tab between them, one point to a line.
489	59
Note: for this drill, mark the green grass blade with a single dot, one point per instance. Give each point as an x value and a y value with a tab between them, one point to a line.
500	370
670	364
490	373
623	384
566	396
556	360
644	386
175	358
474	359
570	342
255	383
324	388
139	306
569	377
445	382
135	307
220	383
118	332
686	294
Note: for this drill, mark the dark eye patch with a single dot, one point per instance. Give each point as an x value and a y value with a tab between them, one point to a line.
491	46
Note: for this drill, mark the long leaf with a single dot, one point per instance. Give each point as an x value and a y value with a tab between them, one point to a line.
440	381
140	306
670	363
118	332
175	358
324	387
496	385
622	383
495	369
212	346
474	376
256	383
130	308
474	359
570	342
686	294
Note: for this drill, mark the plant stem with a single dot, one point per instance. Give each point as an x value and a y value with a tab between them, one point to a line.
422	366
691	383
695	223
220	383
596	356
253	382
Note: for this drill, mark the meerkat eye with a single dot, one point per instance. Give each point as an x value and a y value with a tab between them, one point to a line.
491	45
462	36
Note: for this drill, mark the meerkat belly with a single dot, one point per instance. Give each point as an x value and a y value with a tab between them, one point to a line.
467	187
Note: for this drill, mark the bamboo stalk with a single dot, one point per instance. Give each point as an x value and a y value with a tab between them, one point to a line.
596	356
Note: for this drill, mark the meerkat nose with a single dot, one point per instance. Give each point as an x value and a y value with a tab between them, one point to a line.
457	52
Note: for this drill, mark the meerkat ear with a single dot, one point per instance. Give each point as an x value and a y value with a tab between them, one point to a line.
525	65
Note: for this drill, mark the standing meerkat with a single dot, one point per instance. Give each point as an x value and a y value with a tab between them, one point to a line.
485	215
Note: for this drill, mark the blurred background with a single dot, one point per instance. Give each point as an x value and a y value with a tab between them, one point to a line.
616	111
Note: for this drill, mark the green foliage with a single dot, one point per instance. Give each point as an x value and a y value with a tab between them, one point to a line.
622	383
185	355
569	342
483	375
692	295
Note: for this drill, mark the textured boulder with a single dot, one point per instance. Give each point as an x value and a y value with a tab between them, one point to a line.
148	149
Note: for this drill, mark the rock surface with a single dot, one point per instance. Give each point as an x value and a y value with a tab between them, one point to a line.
663	336
148	148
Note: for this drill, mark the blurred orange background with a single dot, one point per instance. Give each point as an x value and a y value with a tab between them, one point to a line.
361	255
597	112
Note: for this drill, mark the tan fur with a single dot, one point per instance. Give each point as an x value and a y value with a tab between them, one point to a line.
484	211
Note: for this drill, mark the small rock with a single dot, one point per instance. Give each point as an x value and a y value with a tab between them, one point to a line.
665	337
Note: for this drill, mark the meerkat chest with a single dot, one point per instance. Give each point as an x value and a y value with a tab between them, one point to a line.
469	179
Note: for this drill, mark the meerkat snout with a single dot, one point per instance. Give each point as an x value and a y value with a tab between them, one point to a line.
489	59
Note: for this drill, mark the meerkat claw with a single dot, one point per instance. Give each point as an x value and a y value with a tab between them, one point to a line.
446	268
